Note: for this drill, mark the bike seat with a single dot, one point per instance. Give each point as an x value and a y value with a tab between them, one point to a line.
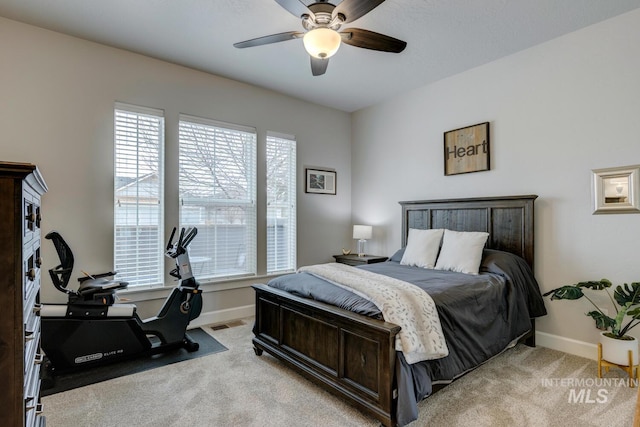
93	289
88	287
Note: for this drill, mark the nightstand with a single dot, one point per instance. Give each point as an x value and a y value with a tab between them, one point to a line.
359	260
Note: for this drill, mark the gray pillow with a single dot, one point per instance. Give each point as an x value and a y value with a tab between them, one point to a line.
397	257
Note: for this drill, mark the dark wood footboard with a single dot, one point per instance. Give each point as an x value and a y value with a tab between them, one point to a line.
348	354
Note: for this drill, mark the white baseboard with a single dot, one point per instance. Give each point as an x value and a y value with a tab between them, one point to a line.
567	345
222	316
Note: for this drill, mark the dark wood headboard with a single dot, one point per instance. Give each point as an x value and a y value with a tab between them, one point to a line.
508	220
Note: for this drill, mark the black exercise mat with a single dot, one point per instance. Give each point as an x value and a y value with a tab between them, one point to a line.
71	380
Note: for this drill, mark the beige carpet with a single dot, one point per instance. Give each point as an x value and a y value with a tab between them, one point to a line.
237	388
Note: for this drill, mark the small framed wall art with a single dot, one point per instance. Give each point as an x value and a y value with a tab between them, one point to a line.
467	149
320	181
616	190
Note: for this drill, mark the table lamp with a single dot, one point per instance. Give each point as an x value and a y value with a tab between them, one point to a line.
362	233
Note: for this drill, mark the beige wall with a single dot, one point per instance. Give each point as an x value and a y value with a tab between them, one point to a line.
58	94
557	111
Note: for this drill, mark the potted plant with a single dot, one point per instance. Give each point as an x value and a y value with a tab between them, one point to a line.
625	301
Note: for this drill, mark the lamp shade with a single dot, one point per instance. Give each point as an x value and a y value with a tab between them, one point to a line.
322	42
362	232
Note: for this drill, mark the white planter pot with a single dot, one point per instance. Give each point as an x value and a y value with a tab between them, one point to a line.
617	351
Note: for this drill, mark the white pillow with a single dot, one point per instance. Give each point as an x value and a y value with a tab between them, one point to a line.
422	247
461	251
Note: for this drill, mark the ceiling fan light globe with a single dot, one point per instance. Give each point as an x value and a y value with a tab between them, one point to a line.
321	43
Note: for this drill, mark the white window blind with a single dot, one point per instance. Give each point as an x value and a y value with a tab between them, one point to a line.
218	196
138	194
281	203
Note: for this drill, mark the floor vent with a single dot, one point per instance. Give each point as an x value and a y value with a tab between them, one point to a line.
227	325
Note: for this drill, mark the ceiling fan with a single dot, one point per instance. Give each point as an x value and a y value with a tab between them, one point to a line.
322	21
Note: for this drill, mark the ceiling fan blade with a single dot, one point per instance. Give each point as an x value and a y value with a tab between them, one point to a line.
273	38
370	40
295	7
318	66
354	9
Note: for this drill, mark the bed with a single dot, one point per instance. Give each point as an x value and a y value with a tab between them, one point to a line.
354	354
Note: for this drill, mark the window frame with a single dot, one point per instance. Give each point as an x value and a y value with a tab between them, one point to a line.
156	259
212	268
289	205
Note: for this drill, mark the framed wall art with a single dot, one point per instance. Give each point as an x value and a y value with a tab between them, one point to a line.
320	181
467	149
615	190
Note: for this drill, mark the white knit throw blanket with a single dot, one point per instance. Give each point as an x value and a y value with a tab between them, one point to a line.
400	302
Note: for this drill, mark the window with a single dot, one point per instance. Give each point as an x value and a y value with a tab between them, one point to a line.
217	184
281	203
138	195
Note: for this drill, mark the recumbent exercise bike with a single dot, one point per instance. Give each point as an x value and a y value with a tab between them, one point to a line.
94	329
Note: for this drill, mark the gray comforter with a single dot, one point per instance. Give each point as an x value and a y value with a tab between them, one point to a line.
480	315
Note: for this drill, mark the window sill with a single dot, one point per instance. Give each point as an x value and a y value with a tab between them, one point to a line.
146	293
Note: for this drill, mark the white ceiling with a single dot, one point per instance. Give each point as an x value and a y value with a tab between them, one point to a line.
444	37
